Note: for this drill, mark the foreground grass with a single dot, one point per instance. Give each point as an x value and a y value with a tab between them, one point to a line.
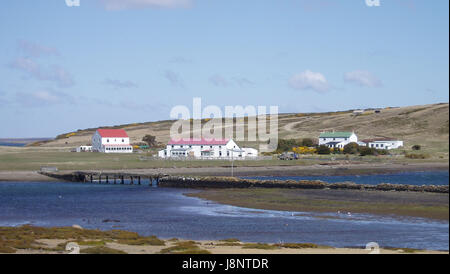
425	205
27	237
25	159
187	247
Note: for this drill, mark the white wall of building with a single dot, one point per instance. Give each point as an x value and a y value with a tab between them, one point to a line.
206	151
352	139
111	144
394	144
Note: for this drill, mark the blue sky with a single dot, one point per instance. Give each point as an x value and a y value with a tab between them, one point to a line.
110	62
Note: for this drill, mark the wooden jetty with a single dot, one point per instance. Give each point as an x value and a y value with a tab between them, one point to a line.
106	177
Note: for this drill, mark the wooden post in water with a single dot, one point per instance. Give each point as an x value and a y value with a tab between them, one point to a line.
131	180
92	178
121	180
114	179
107	179
139	180
99	179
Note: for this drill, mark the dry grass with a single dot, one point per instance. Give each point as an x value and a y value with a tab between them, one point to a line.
259	246
101	250
186	247
26	237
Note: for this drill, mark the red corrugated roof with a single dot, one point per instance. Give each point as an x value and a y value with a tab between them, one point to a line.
112	133
202	141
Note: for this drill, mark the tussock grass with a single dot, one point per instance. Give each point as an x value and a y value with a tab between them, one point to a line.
25	237
301	245
230	240
259	246
101	250
187	247
92	243
151	240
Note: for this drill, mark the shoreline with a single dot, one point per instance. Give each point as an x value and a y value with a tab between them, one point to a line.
311	170
431	206
53	240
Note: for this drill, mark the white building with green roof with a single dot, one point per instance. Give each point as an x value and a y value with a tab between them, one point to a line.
337	139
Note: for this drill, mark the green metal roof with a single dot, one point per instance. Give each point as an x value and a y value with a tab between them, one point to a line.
336	134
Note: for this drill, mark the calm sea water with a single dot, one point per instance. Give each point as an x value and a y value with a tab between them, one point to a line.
408	178
12	144
167	213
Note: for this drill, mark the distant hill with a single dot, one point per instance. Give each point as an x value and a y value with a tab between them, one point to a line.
427	125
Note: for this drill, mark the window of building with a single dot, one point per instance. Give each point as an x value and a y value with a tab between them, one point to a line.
107	140
123	140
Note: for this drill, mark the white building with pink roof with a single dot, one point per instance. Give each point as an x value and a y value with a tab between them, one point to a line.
206	149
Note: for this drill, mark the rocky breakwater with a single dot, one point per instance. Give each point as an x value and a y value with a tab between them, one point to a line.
233	182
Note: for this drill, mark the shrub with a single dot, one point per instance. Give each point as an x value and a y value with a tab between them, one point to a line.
308	142
416	147
150	140
417	156
365	151
351	148
323	150
285	145
304	150
336	150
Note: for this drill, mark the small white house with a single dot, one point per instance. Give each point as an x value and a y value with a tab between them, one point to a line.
358	112
337	139
206	149
250	152
384	143
111	141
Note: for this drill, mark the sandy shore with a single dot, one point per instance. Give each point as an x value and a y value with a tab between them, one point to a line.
216	247
338	169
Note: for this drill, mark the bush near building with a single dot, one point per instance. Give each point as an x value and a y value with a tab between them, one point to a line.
323	150
416	147
365	151
351	148
304	150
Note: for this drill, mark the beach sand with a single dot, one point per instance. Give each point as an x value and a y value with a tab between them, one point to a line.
215	247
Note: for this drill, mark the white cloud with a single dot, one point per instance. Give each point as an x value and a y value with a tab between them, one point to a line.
43	98
174	78
219	81
35	50
309	80
52	73
363	78
120	84
142	4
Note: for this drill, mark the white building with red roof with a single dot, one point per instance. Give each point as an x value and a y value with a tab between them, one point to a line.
111	141
205	149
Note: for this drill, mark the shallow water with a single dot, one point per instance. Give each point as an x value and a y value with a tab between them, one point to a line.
404	178
167	213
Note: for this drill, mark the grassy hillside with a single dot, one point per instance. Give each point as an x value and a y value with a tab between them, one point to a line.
426	125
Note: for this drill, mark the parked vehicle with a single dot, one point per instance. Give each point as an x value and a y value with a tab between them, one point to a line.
288	156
